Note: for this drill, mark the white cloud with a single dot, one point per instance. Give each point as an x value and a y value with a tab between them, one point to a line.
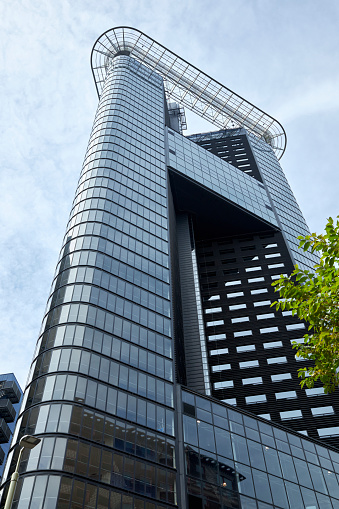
318	97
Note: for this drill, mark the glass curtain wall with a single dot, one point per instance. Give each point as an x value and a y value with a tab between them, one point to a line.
100	394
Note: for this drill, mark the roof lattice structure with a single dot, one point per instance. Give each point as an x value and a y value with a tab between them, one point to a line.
186	85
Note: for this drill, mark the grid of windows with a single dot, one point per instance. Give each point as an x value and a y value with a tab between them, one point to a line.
107	331
248	327
219	176
290	217
69	493
232	456
102	464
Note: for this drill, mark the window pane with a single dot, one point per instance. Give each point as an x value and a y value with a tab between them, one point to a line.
206	436
51	492
39	492
261	486
190	430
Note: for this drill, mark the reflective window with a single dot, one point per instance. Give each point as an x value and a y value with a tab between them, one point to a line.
258	291
266	330
245	348
216	337
286	395
258	398
265	316
316	391
328	432
276	265
220	351
242	333
252	381
214	323
213	310
291	414
294	326
262	303
237	306
235	294
233	283
220	367
240	319
223	385
273	344
248	364
280	377
324	410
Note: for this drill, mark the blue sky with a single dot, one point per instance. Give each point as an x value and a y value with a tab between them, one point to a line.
280	55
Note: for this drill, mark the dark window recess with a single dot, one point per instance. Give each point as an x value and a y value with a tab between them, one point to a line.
188	409
210	285
239	154
231	271
248	248
245	239
207	264
266	236
196	502
268	207
226	251
224	243
249	258
172	151
208	274
229	260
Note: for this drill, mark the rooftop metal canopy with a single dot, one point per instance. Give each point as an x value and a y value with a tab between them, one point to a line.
186	85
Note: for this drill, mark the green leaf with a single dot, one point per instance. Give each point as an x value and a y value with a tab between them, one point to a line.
313	296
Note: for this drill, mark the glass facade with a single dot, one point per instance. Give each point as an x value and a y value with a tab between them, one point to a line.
219	176
251	362
100	392
236	461
158	324
291	220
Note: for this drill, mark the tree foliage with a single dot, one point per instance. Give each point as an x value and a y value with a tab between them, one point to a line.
314	297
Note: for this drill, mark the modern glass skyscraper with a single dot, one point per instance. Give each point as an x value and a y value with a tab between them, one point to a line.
160	361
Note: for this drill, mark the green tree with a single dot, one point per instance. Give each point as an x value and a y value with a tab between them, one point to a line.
314	297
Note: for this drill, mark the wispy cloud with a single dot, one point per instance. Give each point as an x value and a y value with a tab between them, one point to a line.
319	96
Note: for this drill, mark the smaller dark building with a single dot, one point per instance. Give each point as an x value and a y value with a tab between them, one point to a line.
10	400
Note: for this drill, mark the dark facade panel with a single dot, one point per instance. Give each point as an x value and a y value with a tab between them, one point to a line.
233	147
5	432
10	399
10	389
194	366
7	411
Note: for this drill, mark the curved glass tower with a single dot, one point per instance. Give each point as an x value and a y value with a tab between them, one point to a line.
153	312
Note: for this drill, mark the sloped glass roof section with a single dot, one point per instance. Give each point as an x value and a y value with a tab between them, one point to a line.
186	85
219	176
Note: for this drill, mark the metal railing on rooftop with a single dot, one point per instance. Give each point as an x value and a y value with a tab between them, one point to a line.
186	84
